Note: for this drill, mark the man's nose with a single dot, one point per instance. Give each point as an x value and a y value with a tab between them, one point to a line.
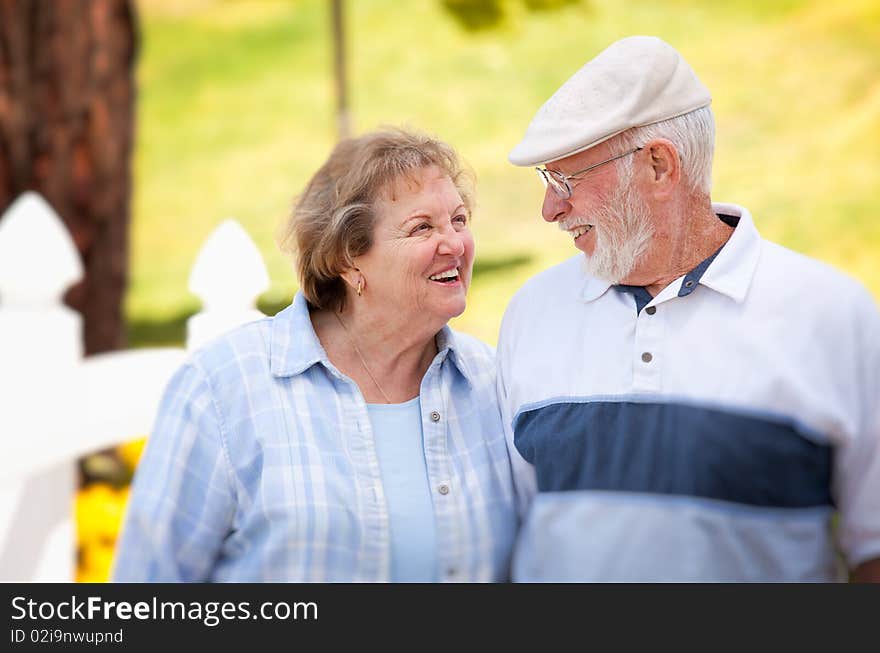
554	208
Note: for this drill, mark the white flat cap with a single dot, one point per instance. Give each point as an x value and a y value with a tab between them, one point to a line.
634	82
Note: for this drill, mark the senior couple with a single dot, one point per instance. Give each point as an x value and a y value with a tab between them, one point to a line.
680	401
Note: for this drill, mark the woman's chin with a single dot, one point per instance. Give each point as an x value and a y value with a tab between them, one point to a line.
449	310
457	310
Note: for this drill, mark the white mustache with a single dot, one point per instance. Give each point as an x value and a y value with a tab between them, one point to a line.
573	222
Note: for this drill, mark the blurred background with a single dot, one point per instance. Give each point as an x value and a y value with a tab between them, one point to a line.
235	103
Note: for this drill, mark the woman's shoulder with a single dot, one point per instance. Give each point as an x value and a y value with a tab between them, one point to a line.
248	342
475	358
471	345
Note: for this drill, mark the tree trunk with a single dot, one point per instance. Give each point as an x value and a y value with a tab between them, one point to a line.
343	120
66	124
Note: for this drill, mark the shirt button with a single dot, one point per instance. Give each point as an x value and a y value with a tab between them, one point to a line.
450	573
435	416
651	310
646	357
443	489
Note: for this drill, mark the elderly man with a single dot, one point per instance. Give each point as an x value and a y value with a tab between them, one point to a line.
685	401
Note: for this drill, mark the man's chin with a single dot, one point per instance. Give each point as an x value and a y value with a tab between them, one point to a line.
603	270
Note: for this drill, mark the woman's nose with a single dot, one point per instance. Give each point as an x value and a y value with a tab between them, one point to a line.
451	243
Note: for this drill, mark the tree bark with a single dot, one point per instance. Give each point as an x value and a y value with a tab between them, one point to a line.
66	130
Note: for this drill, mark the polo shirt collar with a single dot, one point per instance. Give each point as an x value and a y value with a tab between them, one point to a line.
594	287
734	267
294	346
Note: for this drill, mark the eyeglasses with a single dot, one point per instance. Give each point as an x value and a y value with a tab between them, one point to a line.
559	182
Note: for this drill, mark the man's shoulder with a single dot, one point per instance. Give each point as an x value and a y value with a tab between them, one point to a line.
564	279
797	275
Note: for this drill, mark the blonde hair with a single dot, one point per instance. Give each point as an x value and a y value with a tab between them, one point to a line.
332	221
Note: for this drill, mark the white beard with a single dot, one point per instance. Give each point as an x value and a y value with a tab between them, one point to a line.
623	232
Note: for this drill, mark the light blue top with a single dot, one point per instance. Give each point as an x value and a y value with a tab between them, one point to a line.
397	429
262	466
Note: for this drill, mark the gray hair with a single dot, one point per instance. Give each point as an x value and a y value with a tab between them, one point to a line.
693	135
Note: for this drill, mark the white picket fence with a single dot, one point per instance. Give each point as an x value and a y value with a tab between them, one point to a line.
57	406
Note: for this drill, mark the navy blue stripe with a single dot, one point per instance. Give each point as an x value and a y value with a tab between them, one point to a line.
669	448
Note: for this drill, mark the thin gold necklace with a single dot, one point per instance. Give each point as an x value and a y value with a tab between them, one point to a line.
360	355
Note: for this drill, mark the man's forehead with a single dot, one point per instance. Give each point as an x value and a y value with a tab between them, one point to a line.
581	159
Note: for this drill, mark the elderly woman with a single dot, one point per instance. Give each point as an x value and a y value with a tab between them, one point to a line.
354	436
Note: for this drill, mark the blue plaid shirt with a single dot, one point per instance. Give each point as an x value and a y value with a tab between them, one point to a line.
262	467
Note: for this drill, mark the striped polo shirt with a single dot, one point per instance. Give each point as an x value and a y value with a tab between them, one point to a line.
709	433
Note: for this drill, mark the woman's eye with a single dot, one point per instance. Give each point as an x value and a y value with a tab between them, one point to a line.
420	228
460	220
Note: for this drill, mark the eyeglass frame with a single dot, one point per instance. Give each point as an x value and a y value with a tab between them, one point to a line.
561	181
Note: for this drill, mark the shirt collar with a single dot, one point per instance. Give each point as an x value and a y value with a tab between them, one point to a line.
729	271
734	267
594	287
294	345
449	346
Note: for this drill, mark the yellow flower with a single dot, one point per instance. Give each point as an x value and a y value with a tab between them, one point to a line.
88	575
99	511
95	563
130	452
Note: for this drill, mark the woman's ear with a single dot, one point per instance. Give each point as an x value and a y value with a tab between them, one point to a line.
355	279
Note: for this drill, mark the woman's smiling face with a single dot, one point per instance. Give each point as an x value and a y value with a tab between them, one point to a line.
422	256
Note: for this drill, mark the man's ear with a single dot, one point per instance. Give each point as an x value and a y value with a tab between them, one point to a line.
665	166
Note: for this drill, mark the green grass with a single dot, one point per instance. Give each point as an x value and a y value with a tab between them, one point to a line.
236	111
